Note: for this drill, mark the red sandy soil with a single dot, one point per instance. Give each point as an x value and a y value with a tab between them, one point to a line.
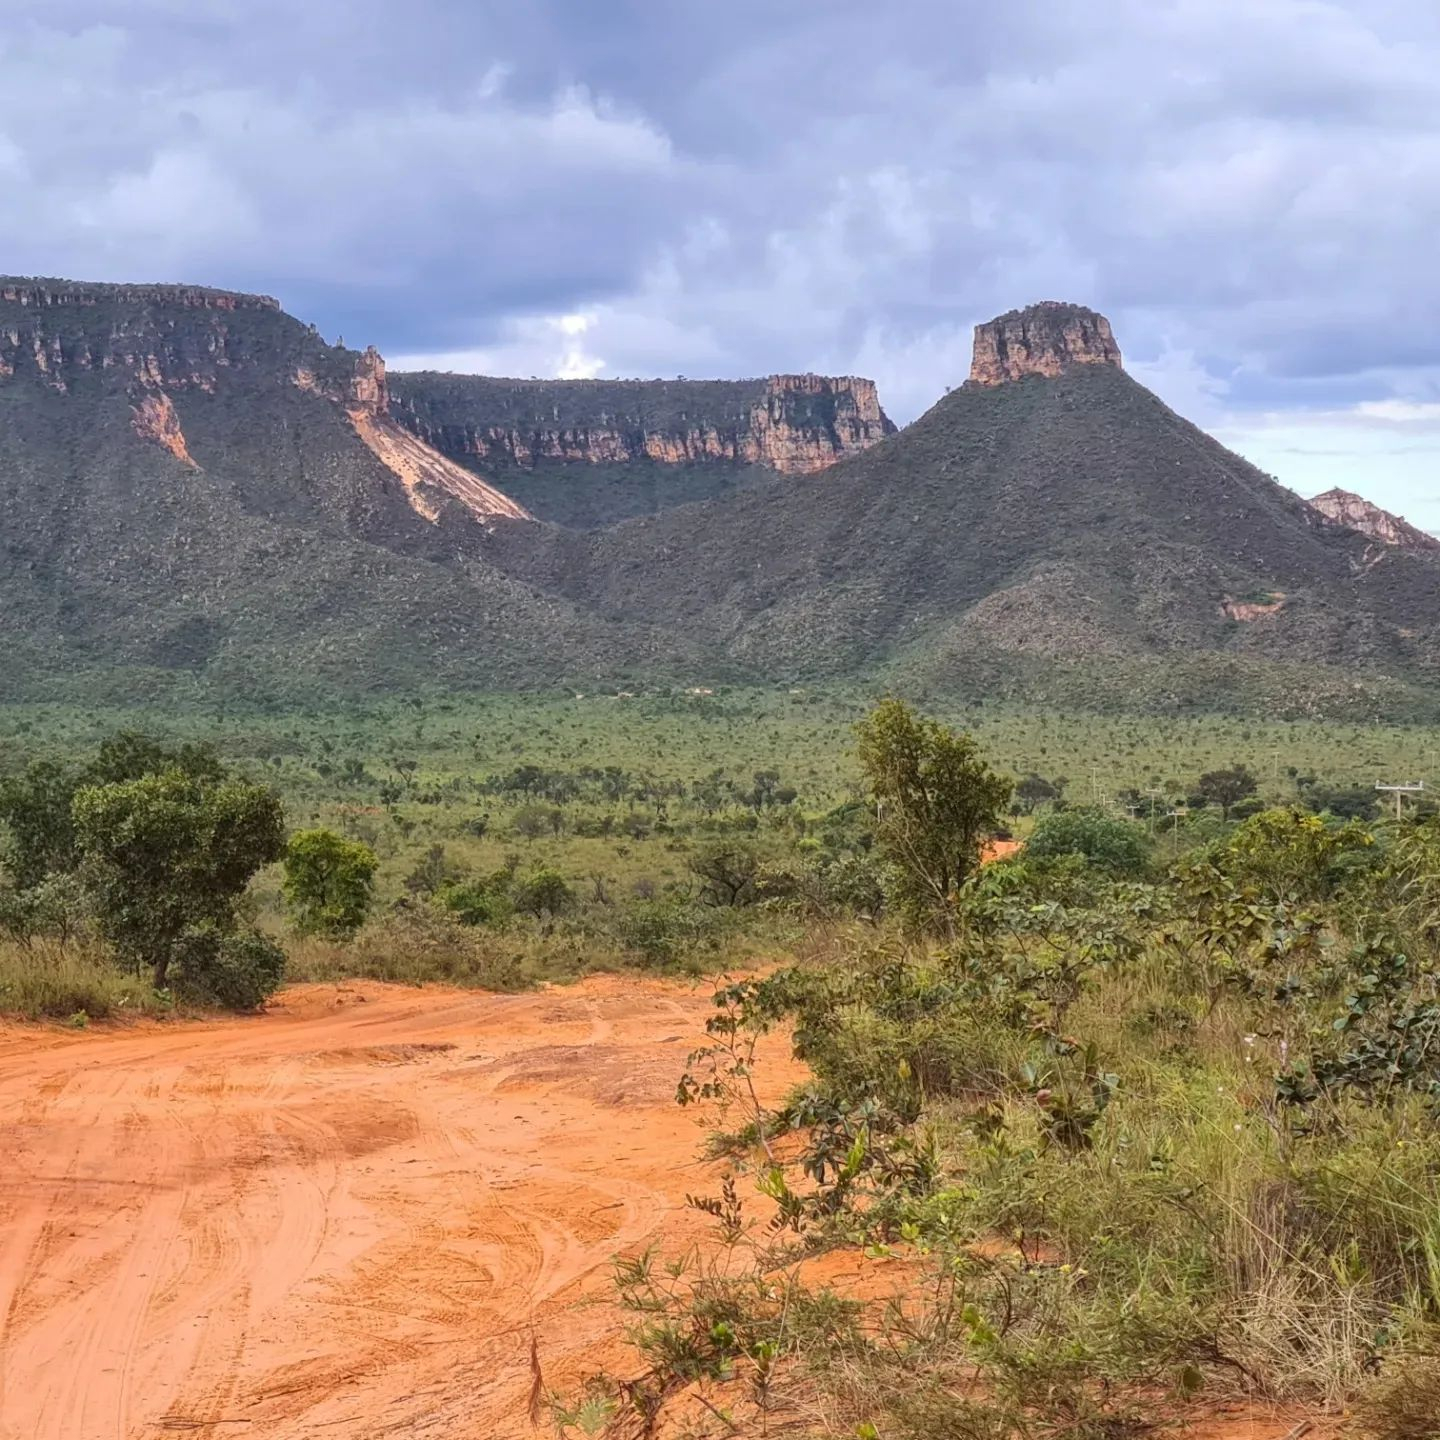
346	1217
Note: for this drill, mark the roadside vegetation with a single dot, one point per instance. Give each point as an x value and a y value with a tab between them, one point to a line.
1140	1127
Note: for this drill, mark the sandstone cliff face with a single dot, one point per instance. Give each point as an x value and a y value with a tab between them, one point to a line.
1344	507
152	342
793	424
1045	339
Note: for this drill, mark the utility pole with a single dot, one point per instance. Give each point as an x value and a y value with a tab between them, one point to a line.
1400	790
1154	796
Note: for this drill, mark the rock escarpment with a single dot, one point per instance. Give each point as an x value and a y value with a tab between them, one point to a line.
793	424
1044	339
1344	507
62	332
151	344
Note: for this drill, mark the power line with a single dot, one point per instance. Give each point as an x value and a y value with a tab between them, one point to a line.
1401	790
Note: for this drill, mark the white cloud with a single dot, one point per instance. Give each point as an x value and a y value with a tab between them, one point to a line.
1399	412
1249	188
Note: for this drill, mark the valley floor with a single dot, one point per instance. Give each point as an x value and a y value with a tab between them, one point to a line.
348	1217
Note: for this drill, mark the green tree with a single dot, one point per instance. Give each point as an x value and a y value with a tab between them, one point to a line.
480	902
543	893
726	872
1290	855
1119	847
36	806
171	854
329	882
936	801
1226	788
1035	790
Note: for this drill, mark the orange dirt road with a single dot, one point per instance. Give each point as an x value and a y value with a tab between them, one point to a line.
343	1218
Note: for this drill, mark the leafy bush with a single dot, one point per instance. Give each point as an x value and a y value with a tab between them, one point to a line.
543	893
480	902
58	907
238	971
1117	847
1287	854
666	932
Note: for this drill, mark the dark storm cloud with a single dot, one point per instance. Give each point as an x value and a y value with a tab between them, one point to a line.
1248	187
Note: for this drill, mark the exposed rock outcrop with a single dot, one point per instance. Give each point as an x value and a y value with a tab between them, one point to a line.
794	424
1045	339
1344	507
154	419
430	478
178	337
1255	607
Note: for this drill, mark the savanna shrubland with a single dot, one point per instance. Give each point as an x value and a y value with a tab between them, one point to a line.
152	859
1146	1109
1142	1130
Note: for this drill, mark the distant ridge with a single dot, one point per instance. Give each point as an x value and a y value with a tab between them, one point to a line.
195	487
1346	508
1050	530
198	494
49	291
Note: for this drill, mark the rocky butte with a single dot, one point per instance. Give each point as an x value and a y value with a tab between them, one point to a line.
1046	339
1344	507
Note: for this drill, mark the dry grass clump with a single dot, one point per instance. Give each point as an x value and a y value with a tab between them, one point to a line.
48	979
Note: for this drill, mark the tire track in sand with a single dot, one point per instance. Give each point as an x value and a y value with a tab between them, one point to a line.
310	1223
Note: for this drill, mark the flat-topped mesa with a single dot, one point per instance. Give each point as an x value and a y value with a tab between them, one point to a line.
1344	507
40	290
794	424
158	348
1045	339
183	337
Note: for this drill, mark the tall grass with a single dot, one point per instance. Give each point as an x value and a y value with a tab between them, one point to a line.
48	980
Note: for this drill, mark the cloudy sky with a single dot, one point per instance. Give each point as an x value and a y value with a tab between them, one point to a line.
1250	189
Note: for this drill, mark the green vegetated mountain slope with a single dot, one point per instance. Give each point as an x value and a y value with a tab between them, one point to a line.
1062	535
187	492
197	492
